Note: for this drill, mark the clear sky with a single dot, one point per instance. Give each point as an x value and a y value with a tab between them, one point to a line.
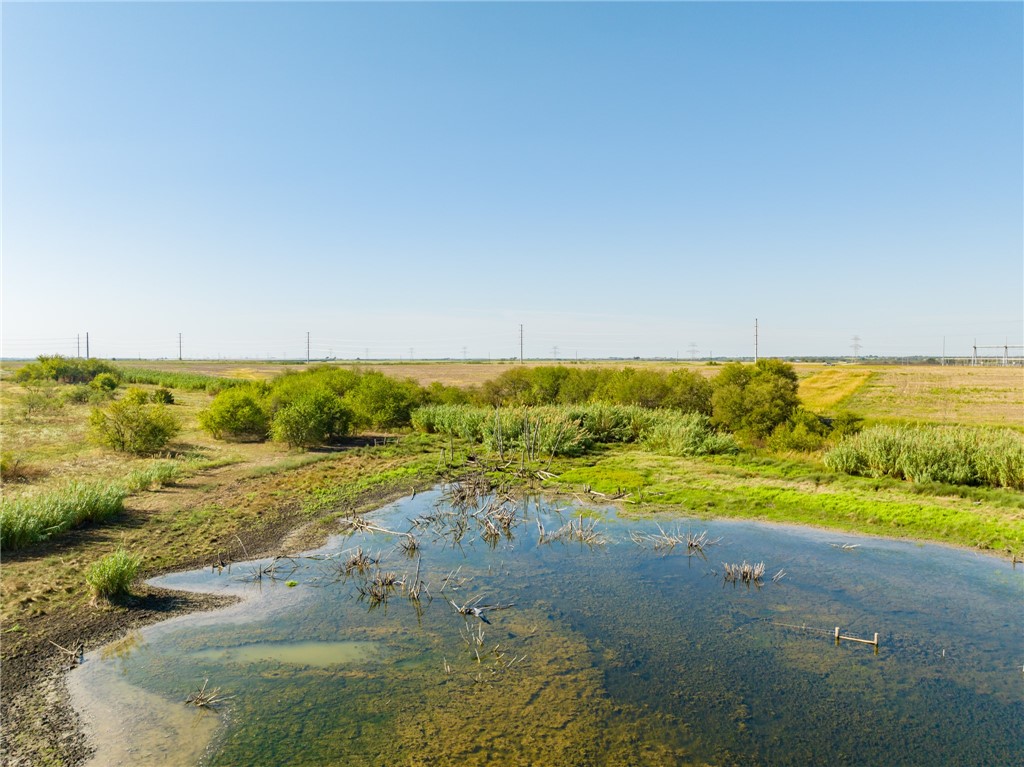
622	179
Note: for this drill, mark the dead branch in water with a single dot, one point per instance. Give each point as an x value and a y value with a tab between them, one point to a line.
202	698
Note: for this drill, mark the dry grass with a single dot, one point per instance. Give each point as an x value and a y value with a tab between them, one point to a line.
825	390
972	396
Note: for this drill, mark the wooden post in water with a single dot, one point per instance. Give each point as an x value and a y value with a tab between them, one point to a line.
855	639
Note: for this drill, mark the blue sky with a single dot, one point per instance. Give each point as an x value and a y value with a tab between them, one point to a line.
621	179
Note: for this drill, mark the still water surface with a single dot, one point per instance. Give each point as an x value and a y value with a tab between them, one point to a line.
610	654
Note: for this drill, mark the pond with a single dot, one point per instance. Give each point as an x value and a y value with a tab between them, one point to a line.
595	642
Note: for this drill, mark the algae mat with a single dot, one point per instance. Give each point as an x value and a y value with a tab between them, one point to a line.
515	633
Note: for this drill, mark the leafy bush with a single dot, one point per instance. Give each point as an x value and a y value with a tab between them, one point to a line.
63	370
112	576
688	434
558	384
30	519
315	417
130	427
163	396
40	399
105	382
238	414
84	394
804	432
380	402
754	399
135	396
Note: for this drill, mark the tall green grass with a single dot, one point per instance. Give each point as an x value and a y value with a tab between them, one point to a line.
36	518
952	455
113	575
688	434
184	381
28	520
571	430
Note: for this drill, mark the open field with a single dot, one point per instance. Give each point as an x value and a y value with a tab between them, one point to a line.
234	500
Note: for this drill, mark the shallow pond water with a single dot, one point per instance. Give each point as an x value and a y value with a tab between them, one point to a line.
610	653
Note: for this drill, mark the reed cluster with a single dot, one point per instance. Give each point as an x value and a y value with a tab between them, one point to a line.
34	518
952	455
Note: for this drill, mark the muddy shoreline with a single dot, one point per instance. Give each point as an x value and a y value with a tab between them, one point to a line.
39	724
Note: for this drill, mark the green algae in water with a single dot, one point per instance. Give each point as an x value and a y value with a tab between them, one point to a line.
320	654
612	654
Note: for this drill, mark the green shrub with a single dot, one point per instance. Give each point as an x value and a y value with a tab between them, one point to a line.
63	370
78	394
112	576
40	399
689	434
380	402
163	396
754	399
804	432
130	427
135	396
238	414
315	417
105	382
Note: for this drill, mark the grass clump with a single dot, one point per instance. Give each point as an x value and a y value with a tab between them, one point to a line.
31	519
949	455
112	576
689	434
14	469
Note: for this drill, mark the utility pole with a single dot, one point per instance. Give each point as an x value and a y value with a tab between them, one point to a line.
554	352
307	347
87	344
463	353
755	340
179	347
520	344
78	344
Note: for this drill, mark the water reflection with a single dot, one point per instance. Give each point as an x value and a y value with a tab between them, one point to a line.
516	633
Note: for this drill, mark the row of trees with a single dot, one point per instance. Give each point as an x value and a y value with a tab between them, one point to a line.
756	402
750	400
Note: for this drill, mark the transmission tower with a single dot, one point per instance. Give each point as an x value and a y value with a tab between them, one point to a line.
856	347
